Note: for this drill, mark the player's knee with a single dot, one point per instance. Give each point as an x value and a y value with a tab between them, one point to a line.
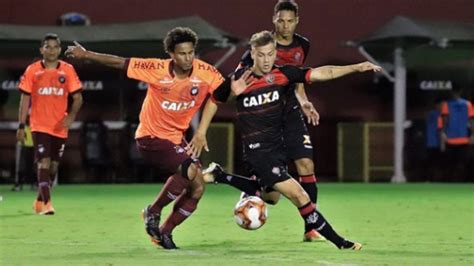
44	163
305	166
299	197
197	190
271	198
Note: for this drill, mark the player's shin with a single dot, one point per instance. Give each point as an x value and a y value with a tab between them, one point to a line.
315	220
43	185
184	206
309	184
249	185
173	187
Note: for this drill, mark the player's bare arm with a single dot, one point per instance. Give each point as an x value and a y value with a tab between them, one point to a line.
199	140
306	106
22	115
333	72
76	105
79	52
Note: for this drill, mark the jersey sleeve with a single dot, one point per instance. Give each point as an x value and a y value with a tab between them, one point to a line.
305	44
222	93
26	81
216	81
144	69
296	74
73	83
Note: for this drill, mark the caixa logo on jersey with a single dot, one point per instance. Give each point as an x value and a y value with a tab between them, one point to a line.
51	91
177	106
261	99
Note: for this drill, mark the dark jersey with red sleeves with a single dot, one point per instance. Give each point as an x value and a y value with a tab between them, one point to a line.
294	54
261	106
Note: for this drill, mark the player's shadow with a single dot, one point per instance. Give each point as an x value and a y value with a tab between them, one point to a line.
21	214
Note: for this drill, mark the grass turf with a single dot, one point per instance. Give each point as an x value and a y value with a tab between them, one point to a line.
413	224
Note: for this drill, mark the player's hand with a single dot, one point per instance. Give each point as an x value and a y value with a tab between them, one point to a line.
20	135
67	121
199	142
311	113
367	66
238	86
76	51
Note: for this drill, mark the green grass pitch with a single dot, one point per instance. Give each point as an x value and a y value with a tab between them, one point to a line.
413	224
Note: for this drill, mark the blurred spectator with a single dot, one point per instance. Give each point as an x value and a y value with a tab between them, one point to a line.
94	151
434	146
457	116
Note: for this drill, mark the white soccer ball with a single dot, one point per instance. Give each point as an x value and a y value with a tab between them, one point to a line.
250	213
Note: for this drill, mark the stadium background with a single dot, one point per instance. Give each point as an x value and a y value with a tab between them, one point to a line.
326	23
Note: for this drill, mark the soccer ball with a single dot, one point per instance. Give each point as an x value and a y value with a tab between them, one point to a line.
250	213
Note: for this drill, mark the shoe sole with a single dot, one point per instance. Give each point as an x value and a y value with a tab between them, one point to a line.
318	239
50	212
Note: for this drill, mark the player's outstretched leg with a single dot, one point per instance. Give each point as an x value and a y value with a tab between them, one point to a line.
308	180
311	217
214	173
314	219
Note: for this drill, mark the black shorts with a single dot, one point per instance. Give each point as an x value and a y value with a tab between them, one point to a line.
269	168
163	154
295	135
48	146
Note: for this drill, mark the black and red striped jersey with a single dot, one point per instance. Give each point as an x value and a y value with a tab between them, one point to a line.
260	108
293	54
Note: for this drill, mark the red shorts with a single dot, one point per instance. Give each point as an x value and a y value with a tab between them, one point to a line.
162	153
48	146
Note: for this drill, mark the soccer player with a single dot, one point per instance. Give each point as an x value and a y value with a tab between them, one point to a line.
177	88
292	49
47	83
260	99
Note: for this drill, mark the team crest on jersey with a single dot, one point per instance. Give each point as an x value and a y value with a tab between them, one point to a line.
270	78
297	56
194	90
62	79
